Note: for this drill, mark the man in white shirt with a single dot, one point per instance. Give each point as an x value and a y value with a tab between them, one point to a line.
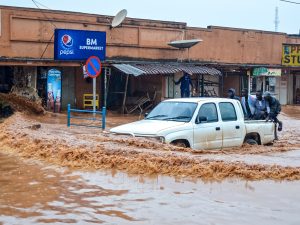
248	104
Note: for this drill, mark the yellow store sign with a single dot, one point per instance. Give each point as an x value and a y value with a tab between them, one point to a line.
291	55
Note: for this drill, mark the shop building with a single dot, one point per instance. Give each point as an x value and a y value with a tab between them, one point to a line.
291	70
139	58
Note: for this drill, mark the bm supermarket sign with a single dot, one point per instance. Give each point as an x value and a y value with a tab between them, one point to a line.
291	54
79	44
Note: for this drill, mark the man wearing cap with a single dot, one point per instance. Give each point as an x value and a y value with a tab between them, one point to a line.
275	109
231	94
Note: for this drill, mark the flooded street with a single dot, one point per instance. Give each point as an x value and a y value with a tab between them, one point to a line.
51	174
34	193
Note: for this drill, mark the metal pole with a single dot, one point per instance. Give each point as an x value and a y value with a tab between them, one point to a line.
103	118
249	85
94	97
198	86
125	95
69	116
202	86
105	87
173	85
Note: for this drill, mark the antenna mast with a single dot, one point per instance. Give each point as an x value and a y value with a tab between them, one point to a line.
276	19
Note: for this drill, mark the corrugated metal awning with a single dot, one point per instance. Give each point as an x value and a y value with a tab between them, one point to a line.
200	70
158	69
165	69
129	69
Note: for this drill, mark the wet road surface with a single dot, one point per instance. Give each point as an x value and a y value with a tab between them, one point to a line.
290	158
35	193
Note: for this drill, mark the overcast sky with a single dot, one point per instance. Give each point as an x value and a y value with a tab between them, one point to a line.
254	14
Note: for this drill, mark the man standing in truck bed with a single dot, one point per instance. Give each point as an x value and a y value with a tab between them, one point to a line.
261	107
275	109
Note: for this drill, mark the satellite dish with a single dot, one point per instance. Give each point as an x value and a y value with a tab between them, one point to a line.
184	43
119	18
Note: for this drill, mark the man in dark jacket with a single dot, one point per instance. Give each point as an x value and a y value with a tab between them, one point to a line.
185	81
275	109
231	94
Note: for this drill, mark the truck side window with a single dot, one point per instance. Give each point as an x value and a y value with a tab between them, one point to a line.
228	112
209	110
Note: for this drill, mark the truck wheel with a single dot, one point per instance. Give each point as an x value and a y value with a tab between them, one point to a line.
269	144
181	144
251	142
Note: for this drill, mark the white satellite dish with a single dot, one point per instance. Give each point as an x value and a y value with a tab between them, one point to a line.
119	18
184	43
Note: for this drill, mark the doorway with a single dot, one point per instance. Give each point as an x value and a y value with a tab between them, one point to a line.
6	79
296	89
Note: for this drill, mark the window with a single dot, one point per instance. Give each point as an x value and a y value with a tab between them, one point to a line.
173	111
209	110
227	111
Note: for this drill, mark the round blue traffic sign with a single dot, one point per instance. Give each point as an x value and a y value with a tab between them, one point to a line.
93	66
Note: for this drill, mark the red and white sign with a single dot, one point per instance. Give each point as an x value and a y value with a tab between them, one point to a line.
93	67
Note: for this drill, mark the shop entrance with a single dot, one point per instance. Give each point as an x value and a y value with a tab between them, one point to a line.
263	84
297	88
6	79
41	85
204	86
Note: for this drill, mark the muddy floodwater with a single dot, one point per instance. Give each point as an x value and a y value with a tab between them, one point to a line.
34	193
52	174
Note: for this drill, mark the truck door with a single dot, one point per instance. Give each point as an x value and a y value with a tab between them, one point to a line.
208	132
232	126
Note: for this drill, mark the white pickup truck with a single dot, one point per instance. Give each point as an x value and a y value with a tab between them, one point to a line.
200	123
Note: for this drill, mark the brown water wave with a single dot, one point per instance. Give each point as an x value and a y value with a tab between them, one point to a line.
91	149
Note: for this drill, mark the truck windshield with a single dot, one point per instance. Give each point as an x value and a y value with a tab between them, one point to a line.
173	111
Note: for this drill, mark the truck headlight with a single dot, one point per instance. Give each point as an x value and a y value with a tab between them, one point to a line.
160	139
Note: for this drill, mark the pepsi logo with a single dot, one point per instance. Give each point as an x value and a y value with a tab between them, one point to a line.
67	41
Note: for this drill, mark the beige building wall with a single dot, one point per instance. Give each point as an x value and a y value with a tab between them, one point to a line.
25	33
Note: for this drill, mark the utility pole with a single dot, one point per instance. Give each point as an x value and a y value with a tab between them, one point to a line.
276	19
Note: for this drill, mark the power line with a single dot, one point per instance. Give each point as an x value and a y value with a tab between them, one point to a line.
36	3
298	3
48	43
41	10
41	4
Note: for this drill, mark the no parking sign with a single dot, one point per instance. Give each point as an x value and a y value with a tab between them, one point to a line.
93	67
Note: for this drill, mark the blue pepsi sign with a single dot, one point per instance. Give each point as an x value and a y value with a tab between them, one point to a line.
79	44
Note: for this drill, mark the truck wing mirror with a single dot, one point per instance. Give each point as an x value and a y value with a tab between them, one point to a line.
145	115
201	119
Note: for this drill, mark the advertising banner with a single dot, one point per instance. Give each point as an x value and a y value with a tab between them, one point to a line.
54	90
291	54
79	44
267	72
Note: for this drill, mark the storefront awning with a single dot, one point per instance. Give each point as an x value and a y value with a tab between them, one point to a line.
200	70
153	69
128	69
165	69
